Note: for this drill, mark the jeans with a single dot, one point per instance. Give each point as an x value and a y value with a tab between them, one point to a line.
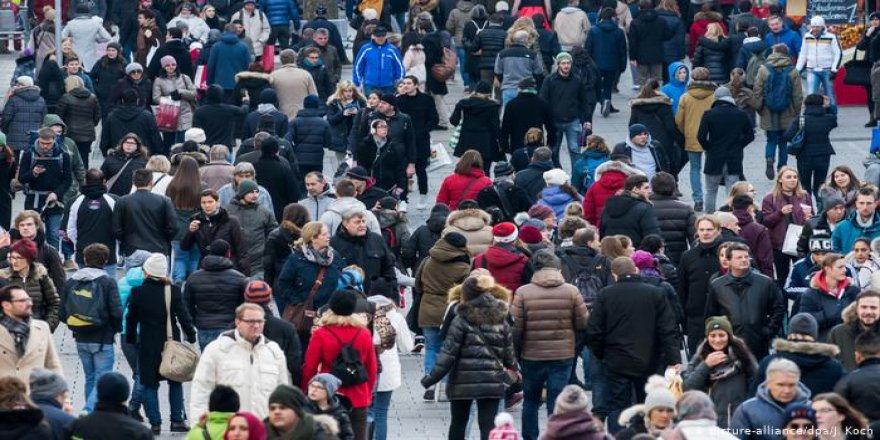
609	78
130	351
379	413
175	400
537	374
460	411
775	145
572	132
185	262
821	78
696	161
97	359
206	336
433	344
507	95
713	181
462	67
812	171
623	391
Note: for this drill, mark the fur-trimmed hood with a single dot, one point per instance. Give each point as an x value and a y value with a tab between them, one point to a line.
329	318
626	417
327	423
484	309
849	314
659	99
498	291
710	15
740	350
616	165
251	75
37	271
807	348
469	219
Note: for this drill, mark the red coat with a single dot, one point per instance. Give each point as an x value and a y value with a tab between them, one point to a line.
698	29
508	265
608	185
454	188
323	349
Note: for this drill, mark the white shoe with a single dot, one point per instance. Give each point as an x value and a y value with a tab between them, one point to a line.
401	206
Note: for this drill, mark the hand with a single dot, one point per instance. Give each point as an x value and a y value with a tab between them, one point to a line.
787	209
175	95
39	169
410	170
194	225
715	358
870	31
52	197
425	382
5	240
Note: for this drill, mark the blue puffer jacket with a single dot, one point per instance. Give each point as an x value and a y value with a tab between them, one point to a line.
133	278
377	66
606	44
280	12
761	412
554	197
309	134
674	49
847	231
299	274
675	88
228	57
584	170
788	37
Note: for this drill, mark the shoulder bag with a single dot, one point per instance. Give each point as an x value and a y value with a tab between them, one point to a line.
112	181
511	378
179	359
798	141
301	315
857	71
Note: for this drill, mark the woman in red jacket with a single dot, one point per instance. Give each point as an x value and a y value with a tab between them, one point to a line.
467	180
701	23
338	328
610	177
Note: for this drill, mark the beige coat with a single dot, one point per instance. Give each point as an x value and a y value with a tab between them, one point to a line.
458	18
572	25
771	120
40	353
292	85
475	225
697	100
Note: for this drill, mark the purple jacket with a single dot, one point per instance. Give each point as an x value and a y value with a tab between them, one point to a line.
776	221
756	236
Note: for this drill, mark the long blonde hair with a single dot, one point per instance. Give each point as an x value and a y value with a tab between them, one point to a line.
308	233
777	186
523	24
340	92
714	31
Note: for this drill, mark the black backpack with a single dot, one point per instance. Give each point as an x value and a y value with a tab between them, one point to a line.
585	279
86	305
347	365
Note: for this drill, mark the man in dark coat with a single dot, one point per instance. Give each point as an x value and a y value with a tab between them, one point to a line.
527	110
365	249
219	120
751	301
113	391
127	118
143	220
569	97
697	265
643	152
861	388
175	47
274	174
321	22
647	35
504	196
423	113
630	213
309	133
531	179
623	310
49	392
858	319
676	218
488	43
725	131
401	129
90	217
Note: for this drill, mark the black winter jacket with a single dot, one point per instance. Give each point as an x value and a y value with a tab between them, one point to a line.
715	56
531	179
578	258
369	252
647	35
423	112
276	175
386	164
480	128
622	314
114	163
695	269
310	135
818	123
251	83
820	369
754	305
825	308
676	221
526	111
219	122
213	292
725	131
656	114
422	240
95	425
220	226
341	125
516	199
478	338
51	83
177	49
58	175
488	43
568	95
144	89
323	79
659	153
91	216
630	216
284	334
143	220
105	74
127	119
861	388
80	110
277	249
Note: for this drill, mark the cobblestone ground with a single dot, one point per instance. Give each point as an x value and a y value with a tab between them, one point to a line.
410	417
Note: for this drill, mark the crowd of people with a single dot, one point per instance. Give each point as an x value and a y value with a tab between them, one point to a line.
176	202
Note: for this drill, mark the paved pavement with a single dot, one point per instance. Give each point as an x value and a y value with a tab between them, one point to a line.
410	417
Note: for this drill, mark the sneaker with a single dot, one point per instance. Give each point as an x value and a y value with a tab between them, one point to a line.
157	429
179	427
419	344
402	206
871	124
612	109
698	207
770	172
70	264
429	395
512	401
606	109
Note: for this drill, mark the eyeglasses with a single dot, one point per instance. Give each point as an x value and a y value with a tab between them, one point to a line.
15	257
800	425
253	321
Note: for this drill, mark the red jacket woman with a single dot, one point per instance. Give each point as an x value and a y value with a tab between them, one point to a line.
610	177
467	180
701	24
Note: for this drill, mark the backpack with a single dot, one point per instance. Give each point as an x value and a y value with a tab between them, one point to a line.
756	60
347	365
777	89
443	71
390	237
479	28
86	305
585	279
382	326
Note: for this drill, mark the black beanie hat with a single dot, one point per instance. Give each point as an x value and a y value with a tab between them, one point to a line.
456	239
290	397
223	399
270	146
343	302
218	247
113	388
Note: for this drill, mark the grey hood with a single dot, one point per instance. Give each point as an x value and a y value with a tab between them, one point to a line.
88	274
345	204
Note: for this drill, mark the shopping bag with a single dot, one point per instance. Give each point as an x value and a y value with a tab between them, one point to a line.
456	134
792	235
201	77
151	53
268	58
439	157
167	113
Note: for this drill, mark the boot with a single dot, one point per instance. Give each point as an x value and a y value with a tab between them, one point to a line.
871	123
770	172
606	108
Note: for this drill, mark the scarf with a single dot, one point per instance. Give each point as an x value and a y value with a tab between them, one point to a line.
727	368
266	108
20	331
321	258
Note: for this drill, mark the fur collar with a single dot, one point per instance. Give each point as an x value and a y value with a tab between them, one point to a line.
251	75
659	99
498	291
740	350
461	214
37	271
329	318
483	310
803	347
616	165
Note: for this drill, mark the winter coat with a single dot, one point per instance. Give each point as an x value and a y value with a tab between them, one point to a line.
525	111
816	361
113	165
40	353
517	62
762	412
56	178
423	112
480	128
568	95
554	197
148	36
571	25
531	179
700	25
446	266
824	306
50	81
692	105
697	265
753	304
341	125
213	292
106	332
623	310
417	248
256	28
787	36
772	120
332	216
127	119
757	236
105	74
86	31
298	275
81	112
847	231
228	57
860	388
573	425
277	176
386	164
217	174
474	225
647	36
606	44
610	177
752	46
250	84
279	246
144	89
674	89
279	12
292	85
458	187
369	252
252	370
458	18
477	346
144	220
95	424
844	336
218	121
777	222
516	199
90	220
145	326
198	29
628	215
548	313
326	343
256	221
675	48
39	286
676	220
55	417
23	112
377	66
714	55
324	79
656	114
488	43
724	133
395	230
508	264
164	85
729	391
389	359
47	255
818	123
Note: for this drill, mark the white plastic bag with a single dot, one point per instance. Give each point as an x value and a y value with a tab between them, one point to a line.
792	235
440	157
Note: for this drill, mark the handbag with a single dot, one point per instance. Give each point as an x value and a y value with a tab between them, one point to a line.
179	359
439	157
511	377
201	77
268	58
303	314
797	143
167	114
456	134
858	71
112	181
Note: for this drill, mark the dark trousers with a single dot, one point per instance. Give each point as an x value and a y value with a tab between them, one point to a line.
609	78
782	263
461	410
5	209
85	150
536	375
280	36
871	104
422	174
622	392
359	423
812	171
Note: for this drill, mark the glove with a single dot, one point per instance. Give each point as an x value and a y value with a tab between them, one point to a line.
175	95
425	382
